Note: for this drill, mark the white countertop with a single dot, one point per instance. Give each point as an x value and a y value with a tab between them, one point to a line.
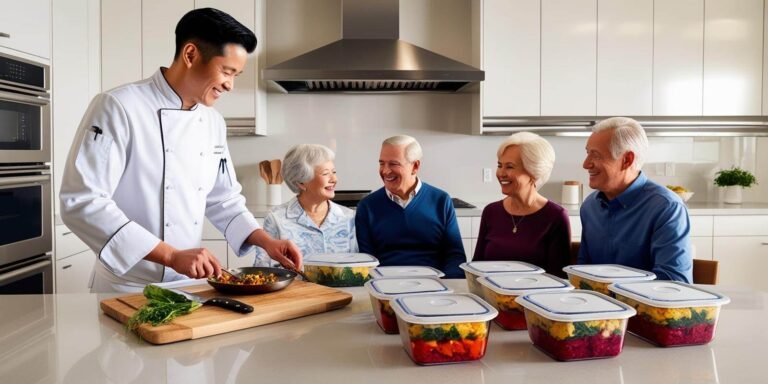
64	338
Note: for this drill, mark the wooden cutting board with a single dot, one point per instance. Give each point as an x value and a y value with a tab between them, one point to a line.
298	299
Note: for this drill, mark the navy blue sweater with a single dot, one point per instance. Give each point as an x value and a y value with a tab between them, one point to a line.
424	233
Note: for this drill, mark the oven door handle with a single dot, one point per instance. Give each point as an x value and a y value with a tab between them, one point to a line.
23	271
18	180
10	96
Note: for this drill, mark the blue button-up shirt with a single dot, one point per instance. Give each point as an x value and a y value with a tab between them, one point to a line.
645	227
289	221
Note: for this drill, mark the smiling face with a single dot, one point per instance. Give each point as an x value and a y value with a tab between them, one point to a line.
397	173
606	174
323	185
513	178
209	80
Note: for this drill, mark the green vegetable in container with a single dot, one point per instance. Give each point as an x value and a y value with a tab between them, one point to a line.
161	307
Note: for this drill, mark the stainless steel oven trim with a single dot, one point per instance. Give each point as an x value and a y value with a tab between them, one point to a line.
46	74
8	94
21	250
43	155
42	263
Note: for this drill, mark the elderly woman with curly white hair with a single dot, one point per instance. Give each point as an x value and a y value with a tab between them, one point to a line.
525	226
311	220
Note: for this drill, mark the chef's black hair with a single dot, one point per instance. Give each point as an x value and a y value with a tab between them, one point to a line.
210	30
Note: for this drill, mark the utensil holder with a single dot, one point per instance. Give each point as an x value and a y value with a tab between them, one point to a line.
274	194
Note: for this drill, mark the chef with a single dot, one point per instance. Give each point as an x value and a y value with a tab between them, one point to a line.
150	162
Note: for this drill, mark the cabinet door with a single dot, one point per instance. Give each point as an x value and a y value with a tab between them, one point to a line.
624	57
120	42
73	274
702	247
158	22
219	248
678	57
511	57
240	102
733	57
568	57
743	261
27	25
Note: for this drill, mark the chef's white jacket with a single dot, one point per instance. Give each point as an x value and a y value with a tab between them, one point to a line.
142	170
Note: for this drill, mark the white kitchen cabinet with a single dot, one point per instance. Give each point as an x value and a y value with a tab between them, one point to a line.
624	57
511	57
765	61
568	57
678	57
733	57
74	262
73	274
702	230
465	230
743	225
575	222
121	40
743	261
158	40
26	26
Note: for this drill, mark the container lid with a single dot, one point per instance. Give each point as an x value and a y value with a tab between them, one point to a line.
389	288
669	294
405	271
442	308
341	260
483	268
517	284
576	305
609	273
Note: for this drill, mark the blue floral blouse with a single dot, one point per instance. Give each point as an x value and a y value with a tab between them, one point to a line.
289	221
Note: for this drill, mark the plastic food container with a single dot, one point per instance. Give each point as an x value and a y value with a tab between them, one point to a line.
597	277
501	291
340	269
443	328
382	291
405	271
475	269
671	313
576	325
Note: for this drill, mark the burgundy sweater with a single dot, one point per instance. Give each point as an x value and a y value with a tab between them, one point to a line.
543	238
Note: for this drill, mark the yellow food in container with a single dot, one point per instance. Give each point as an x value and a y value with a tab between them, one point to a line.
340	269
383	290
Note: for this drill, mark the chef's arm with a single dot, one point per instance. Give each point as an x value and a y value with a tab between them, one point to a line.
284	252
195	263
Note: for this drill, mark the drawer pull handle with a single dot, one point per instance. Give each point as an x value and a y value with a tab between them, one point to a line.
66	233
765	243
3	34
67	266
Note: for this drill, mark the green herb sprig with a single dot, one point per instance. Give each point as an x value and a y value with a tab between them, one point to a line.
161	307
735	176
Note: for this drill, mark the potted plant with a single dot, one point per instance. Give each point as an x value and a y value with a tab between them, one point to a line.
734	180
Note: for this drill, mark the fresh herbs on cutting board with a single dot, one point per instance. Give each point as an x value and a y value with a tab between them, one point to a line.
161	307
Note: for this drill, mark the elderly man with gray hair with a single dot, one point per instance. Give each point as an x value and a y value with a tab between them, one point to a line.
311	220
409	222
630	220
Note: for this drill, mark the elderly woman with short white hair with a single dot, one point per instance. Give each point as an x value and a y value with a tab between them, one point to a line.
311	220
525	226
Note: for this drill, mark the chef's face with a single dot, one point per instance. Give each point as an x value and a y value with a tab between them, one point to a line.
513	178
323	185
398	174
211	79
606	174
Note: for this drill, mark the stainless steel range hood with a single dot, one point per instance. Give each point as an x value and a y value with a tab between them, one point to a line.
672	126
371	58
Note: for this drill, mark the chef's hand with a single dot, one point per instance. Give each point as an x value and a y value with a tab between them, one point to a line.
195	263
284	252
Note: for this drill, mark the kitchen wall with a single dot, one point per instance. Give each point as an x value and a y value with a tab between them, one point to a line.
355	125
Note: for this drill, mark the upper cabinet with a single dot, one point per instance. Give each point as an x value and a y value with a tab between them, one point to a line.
138	38
631	57
25	26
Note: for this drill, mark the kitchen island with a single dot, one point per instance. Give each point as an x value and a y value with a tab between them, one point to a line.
64	338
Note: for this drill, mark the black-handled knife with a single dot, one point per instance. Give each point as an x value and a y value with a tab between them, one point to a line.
222	302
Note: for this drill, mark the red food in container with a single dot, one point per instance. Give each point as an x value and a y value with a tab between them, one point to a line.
576	325
443	328
501	290
382	291
671	313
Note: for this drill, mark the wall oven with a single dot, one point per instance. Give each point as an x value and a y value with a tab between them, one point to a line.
26	219
25	111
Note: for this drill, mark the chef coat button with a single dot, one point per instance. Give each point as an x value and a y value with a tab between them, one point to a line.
195	222
202	153
103	195
200	119
167	224
164	113
168	187
199	188
168	150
